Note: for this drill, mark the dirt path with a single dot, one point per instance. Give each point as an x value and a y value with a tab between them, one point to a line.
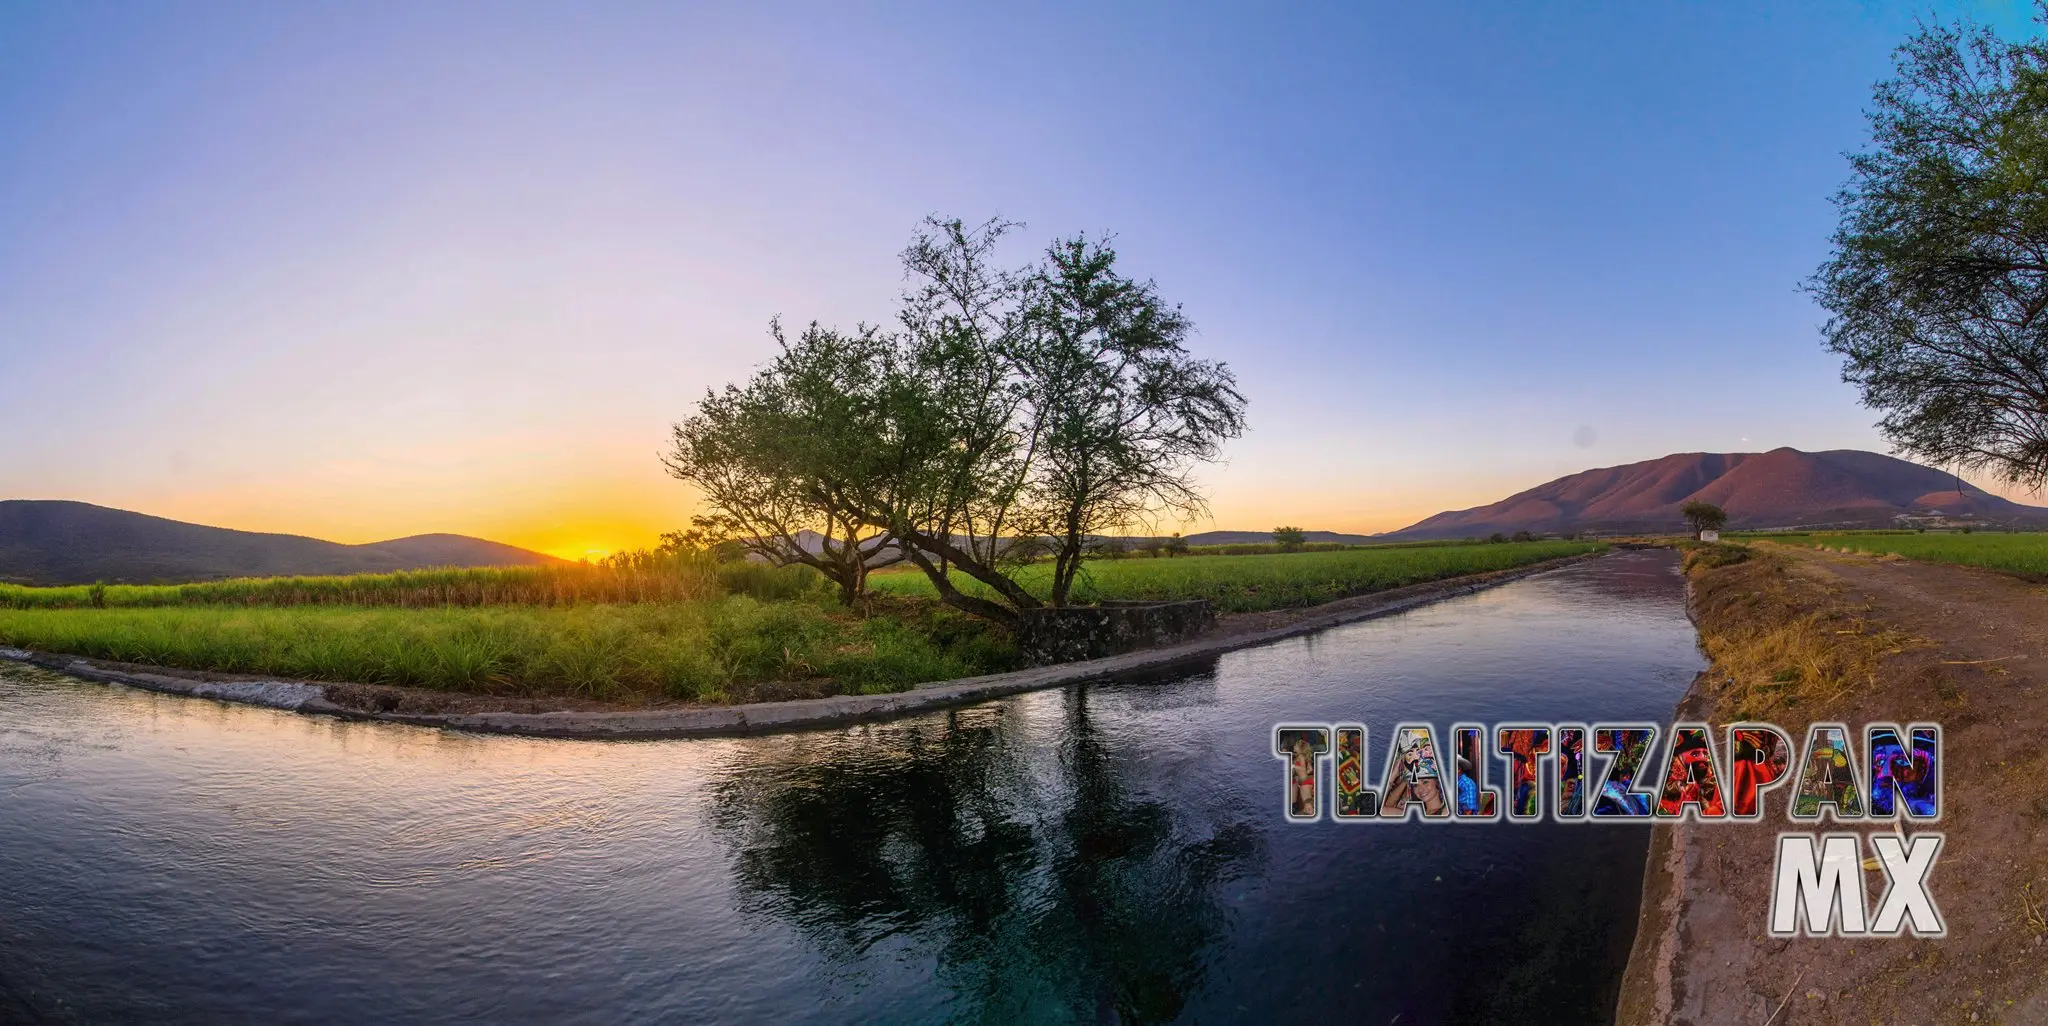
1971	653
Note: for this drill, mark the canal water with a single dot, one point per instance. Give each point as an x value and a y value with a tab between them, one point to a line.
1109	853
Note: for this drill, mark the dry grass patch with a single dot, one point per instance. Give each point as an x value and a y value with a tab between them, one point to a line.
1780	638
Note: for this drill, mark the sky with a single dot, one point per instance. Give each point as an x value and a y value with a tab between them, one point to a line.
361	271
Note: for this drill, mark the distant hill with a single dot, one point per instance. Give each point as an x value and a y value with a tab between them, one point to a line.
1780	488
55	542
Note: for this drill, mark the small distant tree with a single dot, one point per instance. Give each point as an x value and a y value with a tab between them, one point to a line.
1152	548
1522	536
1496	538
1112	548
1703	516
1290	539
1176	545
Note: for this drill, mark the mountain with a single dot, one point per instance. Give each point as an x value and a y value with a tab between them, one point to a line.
1780	488
54	542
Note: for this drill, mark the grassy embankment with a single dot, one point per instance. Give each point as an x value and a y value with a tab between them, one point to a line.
686	630
1778	639
1781	638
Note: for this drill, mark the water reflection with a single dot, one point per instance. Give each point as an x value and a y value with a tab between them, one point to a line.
1074	896
1108	853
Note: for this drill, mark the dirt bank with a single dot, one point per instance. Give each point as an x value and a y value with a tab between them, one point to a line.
1798	637
569	718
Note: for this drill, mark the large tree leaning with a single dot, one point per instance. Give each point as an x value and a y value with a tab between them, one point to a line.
1938	284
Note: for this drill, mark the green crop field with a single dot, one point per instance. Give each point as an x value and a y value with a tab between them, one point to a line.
1248	583
2019	553
713	650
685	630
648	579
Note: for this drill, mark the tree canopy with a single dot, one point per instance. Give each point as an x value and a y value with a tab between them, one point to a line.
1012	413
1938	280
774	458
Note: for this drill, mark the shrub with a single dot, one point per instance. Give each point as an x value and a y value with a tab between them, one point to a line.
1710	556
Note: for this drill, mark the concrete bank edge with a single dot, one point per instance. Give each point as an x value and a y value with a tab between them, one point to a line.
772	717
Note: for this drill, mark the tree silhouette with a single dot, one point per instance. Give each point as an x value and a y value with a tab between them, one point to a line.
1074	885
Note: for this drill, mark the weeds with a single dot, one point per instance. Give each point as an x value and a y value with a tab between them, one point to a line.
707	650
1777	639
2033	913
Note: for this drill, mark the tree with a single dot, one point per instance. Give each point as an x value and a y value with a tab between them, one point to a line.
1702	516
773	461
1290	539
1117	411
953	447
1938	282
1014	412
1176	545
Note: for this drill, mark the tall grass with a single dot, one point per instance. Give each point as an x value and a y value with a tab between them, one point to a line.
1248	583
677	627
641	577
727	649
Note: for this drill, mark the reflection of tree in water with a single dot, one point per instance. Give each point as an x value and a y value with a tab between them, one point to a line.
1047	894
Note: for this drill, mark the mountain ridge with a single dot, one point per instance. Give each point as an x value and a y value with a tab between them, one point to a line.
62	541
1783	487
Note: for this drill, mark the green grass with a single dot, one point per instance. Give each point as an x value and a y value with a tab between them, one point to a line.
648	579
725	649
695	632
1273	548
1249	583
2025	553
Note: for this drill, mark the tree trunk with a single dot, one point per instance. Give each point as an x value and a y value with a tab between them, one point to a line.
973	605
917	543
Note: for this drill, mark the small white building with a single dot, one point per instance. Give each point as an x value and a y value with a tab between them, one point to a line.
1710	536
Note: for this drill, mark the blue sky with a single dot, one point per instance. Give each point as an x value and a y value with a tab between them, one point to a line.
361	271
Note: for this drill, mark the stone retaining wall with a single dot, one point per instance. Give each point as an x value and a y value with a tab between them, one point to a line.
1070	633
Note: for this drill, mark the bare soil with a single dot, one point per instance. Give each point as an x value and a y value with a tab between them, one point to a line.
1961	646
